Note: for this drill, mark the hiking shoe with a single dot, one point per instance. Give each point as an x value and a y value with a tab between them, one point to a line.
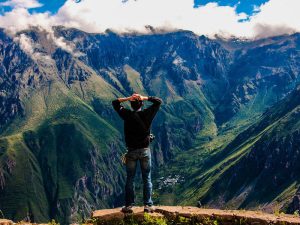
127	209
149	209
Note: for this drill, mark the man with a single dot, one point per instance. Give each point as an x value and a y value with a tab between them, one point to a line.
137	124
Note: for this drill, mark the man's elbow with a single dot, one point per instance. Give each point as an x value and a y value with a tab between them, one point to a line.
115	103
155	100
159	101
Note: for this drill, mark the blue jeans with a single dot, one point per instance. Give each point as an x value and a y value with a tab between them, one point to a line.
132	157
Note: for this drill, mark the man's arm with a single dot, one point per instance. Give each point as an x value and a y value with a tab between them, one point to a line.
154	107
155	100
119	108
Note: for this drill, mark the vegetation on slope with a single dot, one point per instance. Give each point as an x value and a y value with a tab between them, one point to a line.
59	131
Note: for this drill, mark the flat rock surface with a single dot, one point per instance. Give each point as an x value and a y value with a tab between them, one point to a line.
9	222
107	214
5	222
186	211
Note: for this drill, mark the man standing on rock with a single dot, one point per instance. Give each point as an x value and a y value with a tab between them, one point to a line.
137	124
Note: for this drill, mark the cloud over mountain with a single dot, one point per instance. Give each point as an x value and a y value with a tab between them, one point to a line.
272	18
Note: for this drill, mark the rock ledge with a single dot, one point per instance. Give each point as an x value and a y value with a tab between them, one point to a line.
194	215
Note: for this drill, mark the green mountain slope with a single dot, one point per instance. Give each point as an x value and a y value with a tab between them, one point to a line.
60	151
258	168
60	144
61	141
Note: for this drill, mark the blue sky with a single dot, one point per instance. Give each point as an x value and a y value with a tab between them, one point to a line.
242	6
50	5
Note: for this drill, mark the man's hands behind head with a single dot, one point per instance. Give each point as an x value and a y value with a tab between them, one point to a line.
138	97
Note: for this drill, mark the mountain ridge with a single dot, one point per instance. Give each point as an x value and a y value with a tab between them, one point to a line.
55	106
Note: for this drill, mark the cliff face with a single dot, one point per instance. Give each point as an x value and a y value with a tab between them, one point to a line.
59	132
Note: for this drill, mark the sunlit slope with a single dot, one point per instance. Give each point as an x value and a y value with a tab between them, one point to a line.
60	153
258	168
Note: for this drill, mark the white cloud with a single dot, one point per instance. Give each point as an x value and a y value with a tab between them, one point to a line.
29	47
277	17
25	43
60	42
28	4
98	15
34	49
63	44
272	18
20	19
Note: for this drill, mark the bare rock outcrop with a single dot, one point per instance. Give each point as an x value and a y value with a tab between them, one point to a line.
194	215
6	222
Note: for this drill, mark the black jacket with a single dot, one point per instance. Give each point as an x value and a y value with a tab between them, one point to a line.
137	124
